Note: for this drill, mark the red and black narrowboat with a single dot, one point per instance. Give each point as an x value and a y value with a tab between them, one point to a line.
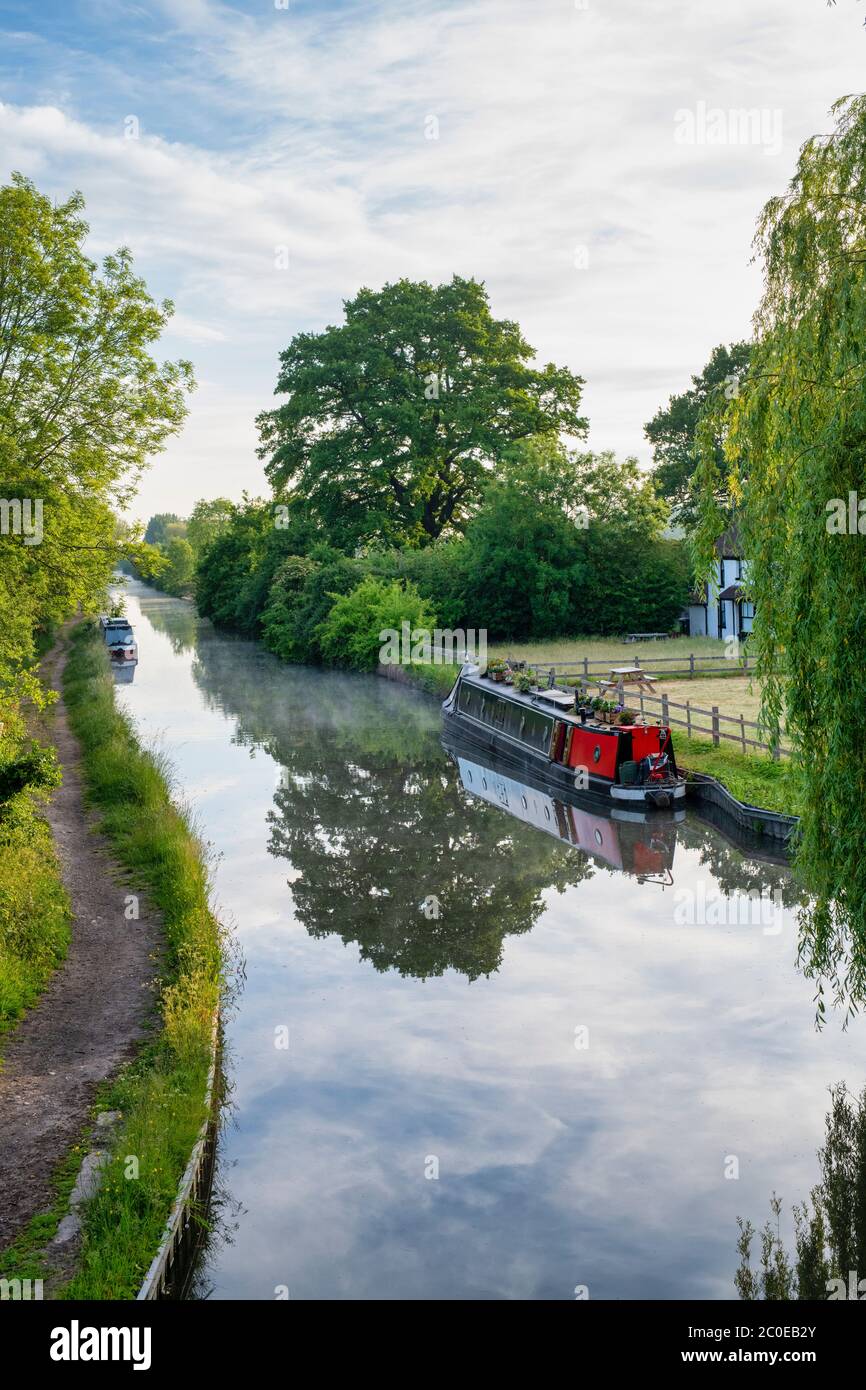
546	730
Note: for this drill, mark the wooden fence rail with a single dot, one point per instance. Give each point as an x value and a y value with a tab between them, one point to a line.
665	704
691	665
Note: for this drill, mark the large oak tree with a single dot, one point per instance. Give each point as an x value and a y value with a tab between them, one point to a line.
394	416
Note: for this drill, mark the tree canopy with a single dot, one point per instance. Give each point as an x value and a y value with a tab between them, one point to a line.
394	416
673	430
162	526
207	520
83	405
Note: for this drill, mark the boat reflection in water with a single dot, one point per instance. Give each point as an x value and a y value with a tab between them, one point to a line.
123	670
633	841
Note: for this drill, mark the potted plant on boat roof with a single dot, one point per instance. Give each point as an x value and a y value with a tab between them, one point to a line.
496	670
524	680
627	716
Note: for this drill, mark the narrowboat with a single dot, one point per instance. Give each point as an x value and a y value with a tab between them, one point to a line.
119	638
638	843
545	729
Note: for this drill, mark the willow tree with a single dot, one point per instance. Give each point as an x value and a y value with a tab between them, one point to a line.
800	420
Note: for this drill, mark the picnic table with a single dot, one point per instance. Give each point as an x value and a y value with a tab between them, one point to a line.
628	675
646	637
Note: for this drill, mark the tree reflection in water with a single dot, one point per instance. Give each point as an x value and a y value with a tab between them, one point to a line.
389	851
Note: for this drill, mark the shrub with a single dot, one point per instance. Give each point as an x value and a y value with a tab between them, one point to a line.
281	631
351	633
32	766
296	619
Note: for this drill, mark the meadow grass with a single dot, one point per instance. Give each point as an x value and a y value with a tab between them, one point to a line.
561	651
161	1096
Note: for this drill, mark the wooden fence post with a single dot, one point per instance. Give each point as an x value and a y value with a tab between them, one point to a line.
641	705
715	724
665	720
689	718
743	731
691	663
586	668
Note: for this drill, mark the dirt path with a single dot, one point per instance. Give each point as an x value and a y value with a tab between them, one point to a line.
96	1008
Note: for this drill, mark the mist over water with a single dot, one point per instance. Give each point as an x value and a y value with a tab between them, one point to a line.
576	1059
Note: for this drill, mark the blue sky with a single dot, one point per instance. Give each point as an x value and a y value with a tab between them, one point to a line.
562	172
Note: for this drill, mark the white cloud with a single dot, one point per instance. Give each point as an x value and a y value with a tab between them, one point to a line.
556	130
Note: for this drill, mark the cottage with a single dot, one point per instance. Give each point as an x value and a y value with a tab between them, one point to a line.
720	608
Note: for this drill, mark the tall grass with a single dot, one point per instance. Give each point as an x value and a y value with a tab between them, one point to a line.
162	1095
34	908
561	651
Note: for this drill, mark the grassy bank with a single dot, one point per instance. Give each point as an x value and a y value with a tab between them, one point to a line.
436	680
161	1095
34	909
750	777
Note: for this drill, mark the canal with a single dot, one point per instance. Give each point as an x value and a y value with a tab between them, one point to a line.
469	1060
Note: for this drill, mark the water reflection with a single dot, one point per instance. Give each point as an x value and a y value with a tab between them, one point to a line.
635	842
338	815
123	671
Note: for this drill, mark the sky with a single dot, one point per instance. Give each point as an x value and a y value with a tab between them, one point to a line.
587	159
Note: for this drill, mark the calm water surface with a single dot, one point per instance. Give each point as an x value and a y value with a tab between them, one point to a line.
579	1063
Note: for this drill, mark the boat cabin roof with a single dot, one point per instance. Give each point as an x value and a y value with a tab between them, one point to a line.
558	704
